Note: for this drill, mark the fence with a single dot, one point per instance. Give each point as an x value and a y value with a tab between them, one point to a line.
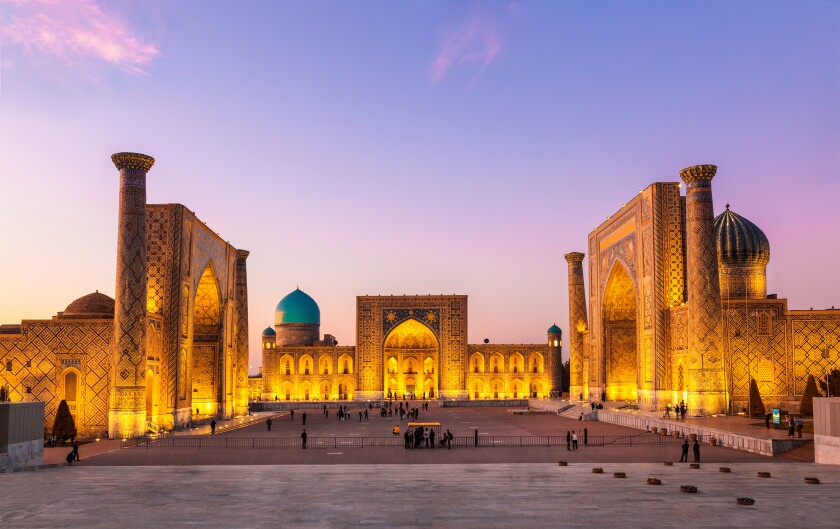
202	442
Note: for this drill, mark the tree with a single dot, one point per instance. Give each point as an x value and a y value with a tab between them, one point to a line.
64	423
756	404
566	377
833	384
806	406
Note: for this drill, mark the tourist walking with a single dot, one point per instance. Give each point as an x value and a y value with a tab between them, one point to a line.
696	449
449	438
366	415
303	437
268	424
75	451
667	411
212	426
684	456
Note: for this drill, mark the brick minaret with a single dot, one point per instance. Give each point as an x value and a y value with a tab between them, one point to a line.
241	330
577	325
705	359
127	413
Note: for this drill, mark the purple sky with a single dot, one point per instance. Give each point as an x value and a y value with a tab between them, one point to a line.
411	147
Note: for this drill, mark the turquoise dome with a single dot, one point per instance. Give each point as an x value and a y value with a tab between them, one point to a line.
297	307
269	332
554	329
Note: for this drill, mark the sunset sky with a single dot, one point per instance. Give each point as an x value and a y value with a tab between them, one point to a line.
414	147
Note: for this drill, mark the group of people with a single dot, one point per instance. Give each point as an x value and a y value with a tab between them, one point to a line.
679	410
696	448
572	438
795	423
422	437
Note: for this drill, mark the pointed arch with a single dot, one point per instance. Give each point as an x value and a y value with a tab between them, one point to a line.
517	363
621	339
206	360
477	363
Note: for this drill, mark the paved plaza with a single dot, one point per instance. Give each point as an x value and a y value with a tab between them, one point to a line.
464	496
465	487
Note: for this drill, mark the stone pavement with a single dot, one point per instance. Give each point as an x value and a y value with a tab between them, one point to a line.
480	496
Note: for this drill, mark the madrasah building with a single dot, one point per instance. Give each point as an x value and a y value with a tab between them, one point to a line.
171	349
678	309
407	347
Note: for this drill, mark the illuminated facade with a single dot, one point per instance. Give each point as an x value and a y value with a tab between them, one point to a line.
413	346
678	309
172	347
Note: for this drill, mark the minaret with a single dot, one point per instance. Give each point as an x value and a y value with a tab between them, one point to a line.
577	325
127	413
240	405
705	382
554	367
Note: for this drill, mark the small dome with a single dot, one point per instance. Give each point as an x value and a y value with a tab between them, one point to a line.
554	329
269	332
92	306
297	307
739	241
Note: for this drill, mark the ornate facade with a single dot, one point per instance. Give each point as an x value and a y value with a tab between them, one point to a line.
413	346
678	309
170	349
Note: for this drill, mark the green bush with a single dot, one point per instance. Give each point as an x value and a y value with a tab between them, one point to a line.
64	423
756	404
806	406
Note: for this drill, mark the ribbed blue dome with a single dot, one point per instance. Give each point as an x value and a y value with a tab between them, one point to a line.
269	332
739	241
554	329
297	307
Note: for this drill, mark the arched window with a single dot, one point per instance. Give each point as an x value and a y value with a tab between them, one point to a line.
70	380
288	367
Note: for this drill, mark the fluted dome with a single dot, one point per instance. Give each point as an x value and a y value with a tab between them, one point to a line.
297	307
92	306
739	241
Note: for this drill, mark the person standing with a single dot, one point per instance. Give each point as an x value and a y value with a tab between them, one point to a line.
292	413
684	456
268	424
303	418
767	420
799	424
449	438
568	440
790	426
574	440
585	437
696	449
75	451
212	426
432	437
303	437
366	415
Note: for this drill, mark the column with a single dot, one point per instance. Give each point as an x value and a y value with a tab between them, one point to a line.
241	336
577	325
127	412
706	388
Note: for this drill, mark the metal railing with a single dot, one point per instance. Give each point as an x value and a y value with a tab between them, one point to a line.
201	442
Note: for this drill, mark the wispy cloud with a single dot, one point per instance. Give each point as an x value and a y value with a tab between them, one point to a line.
77	33
473	44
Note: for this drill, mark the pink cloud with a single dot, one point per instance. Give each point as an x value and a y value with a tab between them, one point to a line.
476	42
76	33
